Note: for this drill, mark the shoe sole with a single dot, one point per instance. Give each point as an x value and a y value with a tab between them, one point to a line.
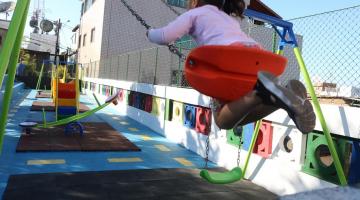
289	101
301	112
298	88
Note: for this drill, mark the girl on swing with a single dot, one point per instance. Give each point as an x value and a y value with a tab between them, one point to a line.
212	22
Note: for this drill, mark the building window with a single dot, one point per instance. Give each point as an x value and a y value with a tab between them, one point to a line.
84	40
178	3
79	44
92	36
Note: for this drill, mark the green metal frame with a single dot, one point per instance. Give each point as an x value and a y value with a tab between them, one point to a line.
9	57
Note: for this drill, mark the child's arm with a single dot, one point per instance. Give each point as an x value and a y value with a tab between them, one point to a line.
173	31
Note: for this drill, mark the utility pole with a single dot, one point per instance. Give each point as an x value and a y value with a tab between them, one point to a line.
57	46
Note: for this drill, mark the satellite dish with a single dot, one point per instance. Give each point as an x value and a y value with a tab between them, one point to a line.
7	6
46	25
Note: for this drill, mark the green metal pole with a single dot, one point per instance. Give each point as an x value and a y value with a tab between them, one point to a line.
320	116
44	117
40	76
9	43
12	65
253	140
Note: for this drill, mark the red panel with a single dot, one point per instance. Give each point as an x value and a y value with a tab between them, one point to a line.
148	103
121	95
263	146
203	120
67	94
229	72
107	91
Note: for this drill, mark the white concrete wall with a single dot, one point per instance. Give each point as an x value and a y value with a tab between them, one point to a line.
281	173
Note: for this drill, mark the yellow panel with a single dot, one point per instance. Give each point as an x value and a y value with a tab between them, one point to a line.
178	112
156	106
162	147
145	137
133	129
184	162
46	162
124	160
67	102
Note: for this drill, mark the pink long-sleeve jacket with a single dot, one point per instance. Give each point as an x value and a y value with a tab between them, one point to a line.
206	24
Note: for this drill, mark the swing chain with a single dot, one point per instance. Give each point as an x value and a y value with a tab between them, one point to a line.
239	151
138	17
172	48
207	151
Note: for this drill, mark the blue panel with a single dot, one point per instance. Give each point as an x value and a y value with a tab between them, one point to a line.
248	131
190	116
66	110
354	173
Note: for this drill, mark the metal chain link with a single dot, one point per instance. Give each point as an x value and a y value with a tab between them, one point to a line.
239	151
172	48
207	151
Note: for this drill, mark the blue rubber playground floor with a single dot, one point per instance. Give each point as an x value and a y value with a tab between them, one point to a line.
156	151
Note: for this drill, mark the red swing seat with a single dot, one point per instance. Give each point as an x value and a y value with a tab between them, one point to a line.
229	72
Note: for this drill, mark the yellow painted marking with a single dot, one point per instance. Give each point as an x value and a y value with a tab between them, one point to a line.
124	123
133	129
145	137
162	147
184	162
124	160
46	162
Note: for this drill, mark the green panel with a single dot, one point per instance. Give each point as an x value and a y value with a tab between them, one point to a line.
126	94
232	138
315	167
168	109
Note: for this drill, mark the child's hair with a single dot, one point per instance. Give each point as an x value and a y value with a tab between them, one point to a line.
230	7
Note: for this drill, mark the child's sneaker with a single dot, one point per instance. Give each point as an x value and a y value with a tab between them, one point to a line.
299	109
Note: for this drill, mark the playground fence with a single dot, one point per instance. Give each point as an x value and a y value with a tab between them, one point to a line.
328	41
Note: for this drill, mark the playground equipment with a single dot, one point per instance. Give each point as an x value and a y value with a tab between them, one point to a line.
71	122
287	37
13	41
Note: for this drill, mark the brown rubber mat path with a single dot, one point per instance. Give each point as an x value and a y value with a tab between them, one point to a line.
42	94
97	137
50	106
167	184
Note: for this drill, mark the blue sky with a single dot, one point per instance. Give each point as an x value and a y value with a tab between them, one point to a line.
70	10
55	9
289	9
